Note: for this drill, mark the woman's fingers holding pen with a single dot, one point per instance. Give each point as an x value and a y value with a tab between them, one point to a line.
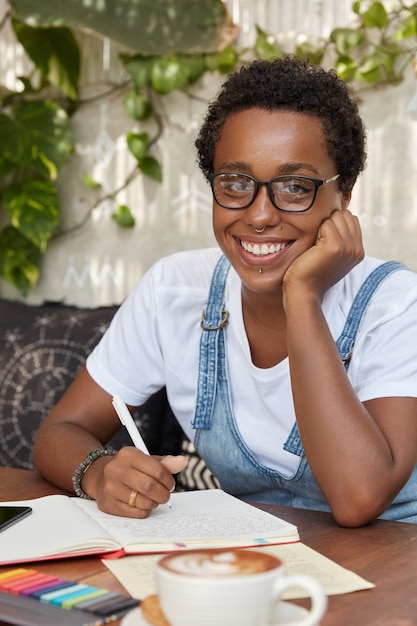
148	497
134	483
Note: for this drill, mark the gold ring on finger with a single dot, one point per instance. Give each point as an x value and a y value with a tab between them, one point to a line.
132	498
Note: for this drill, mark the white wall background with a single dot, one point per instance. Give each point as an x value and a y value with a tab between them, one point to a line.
99	263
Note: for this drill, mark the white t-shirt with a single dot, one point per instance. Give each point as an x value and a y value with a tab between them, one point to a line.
155	336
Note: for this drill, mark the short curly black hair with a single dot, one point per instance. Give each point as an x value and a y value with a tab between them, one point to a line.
291	84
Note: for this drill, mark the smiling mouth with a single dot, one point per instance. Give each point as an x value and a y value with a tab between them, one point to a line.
264	248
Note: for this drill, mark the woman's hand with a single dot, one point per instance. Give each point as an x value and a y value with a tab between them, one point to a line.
129	471
62	442
337	249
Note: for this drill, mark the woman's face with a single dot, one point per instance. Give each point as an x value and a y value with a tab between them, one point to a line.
266	144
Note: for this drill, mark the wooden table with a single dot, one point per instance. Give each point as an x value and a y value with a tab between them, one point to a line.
384	553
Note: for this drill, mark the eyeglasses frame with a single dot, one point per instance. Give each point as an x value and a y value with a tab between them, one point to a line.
318	182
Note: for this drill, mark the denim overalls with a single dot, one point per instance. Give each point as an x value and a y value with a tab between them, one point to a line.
217	437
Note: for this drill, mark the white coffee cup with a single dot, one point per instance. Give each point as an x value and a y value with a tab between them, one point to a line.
236	587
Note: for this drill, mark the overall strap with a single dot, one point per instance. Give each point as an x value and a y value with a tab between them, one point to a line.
369	286
213	320
347	338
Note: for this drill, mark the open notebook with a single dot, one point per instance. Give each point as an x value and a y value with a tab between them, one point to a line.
62	526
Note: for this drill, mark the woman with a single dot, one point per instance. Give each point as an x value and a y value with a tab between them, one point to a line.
261	388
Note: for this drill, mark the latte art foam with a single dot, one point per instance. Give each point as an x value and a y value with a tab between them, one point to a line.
219	563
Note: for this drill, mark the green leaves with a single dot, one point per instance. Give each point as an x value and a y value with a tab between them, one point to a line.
155	27
19	260
264	47
32	208
346	39
346	68
408	28
36	134
139	68
168	73
378	49
223	62
137	106
176	43
376	16
309	52
161	76
123	217
138	144
150	167
35	140
55	54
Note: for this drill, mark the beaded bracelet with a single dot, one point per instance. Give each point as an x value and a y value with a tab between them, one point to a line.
83	467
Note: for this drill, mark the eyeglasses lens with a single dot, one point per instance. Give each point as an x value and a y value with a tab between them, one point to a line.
234	191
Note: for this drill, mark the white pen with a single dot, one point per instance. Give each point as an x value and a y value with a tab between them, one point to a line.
127	421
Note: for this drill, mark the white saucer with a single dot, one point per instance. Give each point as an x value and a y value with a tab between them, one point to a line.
287	613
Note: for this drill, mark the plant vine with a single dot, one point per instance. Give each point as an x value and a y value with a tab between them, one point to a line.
35	122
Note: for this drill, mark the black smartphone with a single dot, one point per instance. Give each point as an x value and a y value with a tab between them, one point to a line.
11	514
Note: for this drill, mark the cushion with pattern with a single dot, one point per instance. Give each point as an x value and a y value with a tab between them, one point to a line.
41	350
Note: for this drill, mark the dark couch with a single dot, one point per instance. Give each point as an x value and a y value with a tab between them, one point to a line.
41	350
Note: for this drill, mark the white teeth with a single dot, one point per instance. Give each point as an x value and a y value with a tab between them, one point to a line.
263	249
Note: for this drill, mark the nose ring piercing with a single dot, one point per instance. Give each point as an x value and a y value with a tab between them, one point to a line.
259	230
